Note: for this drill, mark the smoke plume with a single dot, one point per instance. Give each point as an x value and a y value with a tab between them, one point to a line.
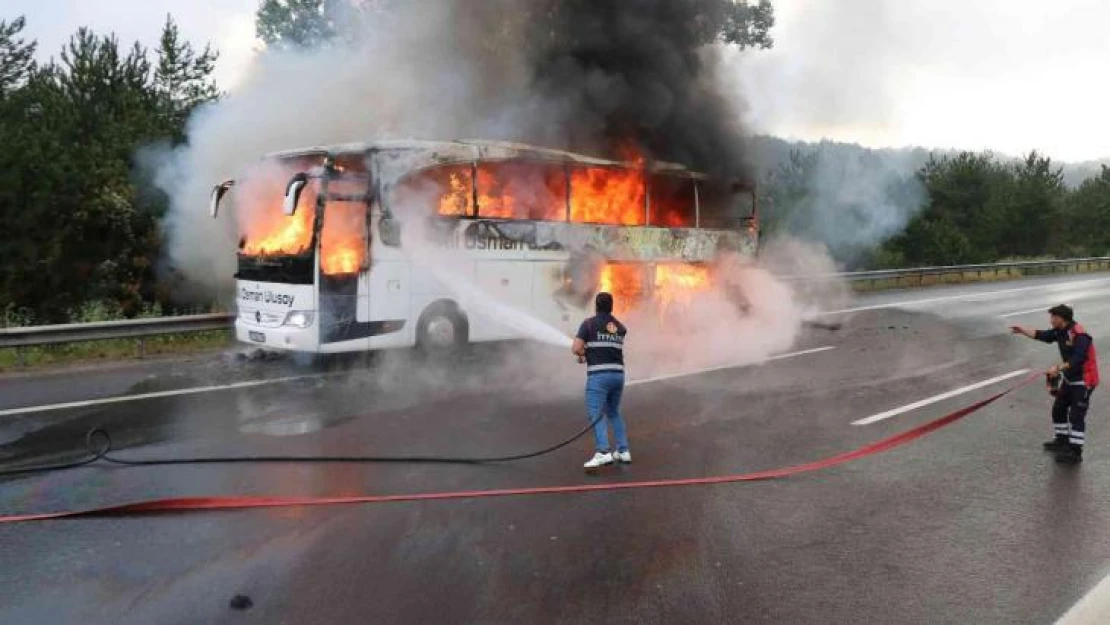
578	74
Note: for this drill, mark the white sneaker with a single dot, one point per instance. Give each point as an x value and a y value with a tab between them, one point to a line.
623	457
599	460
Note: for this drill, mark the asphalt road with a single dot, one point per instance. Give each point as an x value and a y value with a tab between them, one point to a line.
973	524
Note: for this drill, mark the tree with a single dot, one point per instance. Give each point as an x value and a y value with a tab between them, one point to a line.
1085	219
16	56
1033	207
73	225
747	25
295	23
182	79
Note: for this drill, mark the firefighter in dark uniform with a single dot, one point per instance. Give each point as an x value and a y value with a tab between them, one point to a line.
1072	381
600	344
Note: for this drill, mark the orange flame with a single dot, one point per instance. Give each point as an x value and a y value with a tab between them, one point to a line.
607	196
508	190
626	282
678	284
672	284
268	231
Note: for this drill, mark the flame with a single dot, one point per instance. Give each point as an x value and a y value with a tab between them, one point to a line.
607	196
456	198
341	250
678	284
671	285
601	195
343	238
626	282
268	231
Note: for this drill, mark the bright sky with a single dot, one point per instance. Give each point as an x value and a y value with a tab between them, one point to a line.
1008	75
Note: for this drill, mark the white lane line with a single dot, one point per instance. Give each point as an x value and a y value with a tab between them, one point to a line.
1092	609
1040	309
155	395
672	376
989	295
935	398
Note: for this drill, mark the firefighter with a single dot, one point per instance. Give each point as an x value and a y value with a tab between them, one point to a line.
1072	381
600	345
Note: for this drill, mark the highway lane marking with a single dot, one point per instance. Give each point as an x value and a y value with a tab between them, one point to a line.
966	296
875	418
1092	609
672	376
85	403
1040	309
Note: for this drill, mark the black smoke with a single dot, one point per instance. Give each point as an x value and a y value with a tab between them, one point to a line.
641	72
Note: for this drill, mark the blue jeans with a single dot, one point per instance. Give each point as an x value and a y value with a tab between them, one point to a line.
603	390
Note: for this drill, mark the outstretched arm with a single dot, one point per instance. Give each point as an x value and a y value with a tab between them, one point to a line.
1045	336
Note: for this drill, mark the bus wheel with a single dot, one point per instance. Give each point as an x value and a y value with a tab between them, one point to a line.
442	328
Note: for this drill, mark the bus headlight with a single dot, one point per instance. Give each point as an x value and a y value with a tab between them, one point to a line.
299	319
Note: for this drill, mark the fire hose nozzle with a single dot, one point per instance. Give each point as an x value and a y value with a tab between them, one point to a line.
1052	382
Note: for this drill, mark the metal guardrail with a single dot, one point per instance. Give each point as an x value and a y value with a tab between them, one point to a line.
1039	266
139	329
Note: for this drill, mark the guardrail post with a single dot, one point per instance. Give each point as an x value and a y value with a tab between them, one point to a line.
141	345
20	357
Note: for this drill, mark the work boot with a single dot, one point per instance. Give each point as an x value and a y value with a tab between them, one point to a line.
1072	455
1060	443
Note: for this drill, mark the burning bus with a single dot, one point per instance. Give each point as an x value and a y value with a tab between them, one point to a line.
332	240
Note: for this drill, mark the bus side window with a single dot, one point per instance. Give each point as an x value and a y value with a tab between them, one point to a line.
522	189
722	208
672	201
607	195
447	190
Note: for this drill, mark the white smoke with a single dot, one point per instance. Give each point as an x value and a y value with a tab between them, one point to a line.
411	76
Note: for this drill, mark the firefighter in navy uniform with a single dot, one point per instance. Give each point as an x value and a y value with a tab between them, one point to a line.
600	344
1071	381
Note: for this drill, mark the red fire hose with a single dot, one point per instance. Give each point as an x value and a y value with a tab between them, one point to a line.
185	504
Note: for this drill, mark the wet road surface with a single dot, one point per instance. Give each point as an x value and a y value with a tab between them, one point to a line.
973	524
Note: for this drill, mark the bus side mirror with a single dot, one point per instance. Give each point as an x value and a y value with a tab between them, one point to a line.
218	193
390	231
293	192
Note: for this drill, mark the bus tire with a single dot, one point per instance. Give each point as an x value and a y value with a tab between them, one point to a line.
442	328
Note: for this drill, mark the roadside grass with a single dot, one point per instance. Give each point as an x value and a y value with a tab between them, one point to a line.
106	350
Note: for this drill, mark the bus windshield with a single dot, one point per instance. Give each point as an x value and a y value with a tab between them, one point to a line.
275	247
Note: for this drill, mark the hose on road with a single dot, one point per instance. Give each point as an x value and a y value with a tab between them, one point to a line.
98	444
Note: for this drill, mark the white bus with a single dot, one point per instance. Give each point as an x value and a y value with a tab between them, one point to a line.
321	267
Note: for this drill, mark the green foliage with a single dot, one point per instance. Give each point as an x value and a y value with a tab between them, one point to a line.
16	56
980	210
73	224
295	23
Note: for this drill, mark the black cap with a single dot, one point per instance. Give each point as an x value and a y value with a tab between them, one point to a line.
1063	311
603	303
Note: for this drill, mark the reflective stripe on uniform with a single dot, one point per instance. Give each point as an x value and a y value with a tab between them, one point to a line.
612	367
605	344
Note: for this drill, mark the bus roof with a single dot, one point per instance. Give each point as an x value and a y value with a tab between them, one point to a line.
467	149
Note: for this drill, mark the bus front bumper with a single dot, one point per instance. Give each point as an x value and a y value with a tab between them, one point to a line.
286	338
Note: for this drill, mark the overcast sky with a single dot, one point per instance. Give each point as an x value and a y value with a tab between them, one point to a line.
1007	75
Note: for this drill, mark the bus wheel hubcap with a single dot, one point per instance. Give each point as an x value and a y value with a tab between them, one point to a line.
441	332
